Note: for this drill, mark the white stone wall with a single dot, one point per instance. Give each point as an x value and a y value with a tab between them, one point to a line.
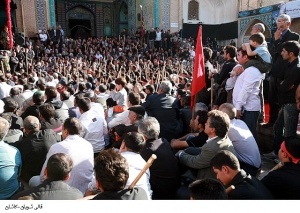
175	15
223	11
213	11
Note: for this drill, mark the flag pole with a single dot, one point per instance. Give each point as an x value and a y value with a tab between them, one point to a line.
211	92
198	82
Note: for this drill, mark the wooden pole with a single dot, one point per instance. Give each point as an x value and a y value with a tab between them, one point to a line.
229	189
26	63
211	92
157	81
77	75
23	18
148	164
64	70
277	166
2	66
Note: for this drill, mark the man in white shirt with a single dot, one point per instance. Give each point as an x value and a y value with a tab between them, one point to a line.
121	96
1	106
98	55
192	52
102	95
122	118
4	87
96	107
243	141
102	91
50	81
80	151
132	144
245	96
27	92
158	38
43	37
94	127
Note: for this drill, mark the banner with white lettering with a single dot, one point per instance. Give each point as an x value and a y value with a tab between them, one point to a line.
291	8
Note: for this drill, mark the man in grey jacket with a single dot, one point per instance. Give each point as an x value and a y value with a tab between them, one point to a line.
216	127
54	187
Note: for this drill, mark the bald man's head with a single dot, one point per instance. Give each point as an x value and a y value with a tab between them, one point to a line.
258	28
31	123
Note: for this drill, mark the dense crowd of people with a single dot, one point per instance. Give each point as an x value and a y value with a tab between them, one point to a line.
81	117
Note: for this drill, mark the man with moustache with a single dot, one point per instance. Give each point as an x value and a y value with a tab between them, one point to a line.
282	34
287	120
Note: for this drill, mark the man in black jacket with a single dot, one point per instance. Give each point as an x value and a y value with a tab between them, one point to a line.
282	34
230	62
61	109
287	120
152	36
54	187
33	110
240	185
221	77
34	147
283	182
164	172
165	109
14	62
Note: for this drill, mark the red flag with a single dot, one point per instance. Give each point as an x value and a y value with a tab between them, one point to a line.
8	24
199	71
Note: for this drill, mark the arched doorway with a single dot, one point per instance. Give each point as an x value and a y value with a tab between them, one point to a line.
295	26
123	17
80	23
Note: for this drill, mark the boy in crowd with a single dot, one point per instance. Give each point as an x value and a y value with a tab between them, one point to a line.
257	41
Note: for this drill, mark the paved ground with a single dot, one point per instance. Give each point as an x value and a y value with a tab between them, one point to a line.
265	144
267	165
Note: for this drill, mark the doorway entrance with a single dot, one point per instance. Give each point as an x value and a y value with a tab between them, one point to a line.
80	23
80	28
123	17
